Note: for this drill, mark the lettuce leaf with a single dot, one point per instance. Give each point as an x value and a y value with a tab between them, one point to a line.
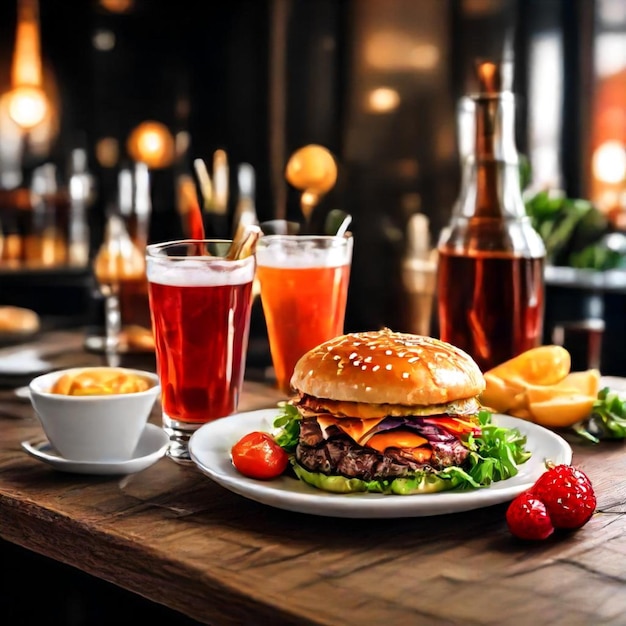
496	453
607	419
287	424
421	482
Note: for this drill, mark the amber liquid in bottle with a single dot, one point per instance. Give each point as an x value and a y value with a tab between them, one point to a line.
490	285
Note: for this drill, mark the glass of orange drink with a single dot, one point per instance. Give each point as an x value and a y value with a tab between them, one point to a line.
303	283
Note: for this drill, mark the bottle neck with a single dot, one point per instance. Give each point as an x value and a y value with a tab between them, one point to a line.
491	181
494	128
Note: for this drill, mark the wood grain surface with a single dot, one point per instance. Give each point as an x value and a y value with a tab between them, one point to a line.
171	535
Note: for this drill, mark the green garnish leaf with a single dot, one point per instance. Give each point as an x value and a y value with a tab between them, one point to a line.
496	453
288	424
607	419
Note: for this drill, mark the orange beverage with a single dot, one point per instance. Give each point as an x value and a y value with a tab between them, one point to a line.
304	287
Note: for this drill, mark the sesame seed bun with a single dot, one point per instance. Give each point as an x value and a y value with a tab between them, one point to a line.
386	367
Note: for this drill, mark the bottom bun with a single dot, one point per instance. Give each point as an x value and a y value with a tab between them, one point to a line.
420	483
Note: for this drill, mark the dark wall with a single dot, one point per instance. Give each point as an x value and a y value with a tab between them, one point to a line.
260	78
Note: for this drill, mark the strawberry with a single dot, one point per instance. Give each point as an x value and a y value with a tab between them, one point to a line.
527	518
567	494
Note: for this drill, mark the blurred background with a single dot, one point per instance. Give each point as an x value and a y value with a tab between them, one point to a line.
104	105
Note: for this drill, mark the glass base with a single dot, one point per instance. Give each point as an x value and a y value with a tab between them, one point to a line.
179	433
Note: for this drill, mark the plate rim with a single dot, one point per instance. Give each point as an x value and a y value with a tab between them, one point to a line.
277	493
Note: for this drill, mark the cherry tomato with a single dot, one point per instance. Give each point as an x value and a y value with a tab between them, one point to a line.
257	455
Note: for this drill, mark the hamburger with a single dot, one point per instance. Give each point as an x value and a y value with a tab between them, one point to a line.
393	413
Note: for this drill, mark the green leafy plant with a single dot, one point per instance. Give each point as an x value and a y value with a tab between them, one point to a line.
572	230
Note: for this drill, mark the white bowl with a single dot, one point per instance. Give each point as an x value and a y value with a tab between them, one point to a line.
103	428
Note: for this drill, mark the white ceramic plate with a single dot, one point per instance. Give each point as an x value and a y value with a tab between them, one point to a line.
210	450
151	447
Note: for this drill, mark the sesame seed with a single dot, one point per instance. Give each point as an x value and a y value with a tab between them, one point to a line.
388	366
375	368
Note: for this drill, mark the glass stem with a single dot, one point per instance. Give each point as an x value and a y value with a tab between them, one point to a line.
113	328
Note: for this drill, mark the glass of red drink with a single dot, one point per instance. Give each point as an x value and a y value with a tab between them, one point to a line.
304	287
200	308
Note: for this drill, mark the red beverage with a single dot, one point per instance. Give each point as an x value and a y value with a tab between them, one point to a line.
201	336
490	304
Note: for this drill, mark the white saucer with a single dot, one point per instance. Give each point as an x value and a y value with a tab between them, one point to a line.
151	447
23	393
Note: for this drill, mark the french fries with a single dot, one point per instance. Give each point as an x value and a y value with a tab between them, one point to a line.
538	386
99	382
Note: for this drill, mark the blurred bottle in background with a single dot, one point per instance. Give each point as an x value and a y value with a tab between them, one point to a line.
135	208
490	284
81	188
45	242
45	223
419	270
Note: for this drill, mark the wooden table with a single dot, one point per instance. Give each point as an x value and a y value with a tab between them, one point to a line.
171	535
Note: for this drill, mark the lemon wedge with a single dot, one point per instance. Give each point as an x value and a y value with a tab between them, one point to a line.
586	382
544	365
561	411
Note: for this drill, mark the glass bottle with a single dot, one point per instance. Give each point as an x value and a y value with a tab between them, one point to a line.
490	272
117	262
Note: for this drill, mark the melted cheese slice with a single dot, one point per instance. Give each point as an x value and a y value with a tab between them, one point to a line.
396	439
362	431
357	429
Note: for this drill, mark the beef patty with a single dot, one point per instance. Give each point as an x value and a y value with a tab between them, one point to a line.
339	454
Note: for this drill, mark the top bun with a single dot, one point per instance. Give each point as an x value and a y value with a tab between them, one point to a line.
385	367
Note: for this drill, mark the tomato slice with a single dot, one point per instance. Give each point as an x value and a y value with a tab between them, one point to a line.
455	425
257	455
